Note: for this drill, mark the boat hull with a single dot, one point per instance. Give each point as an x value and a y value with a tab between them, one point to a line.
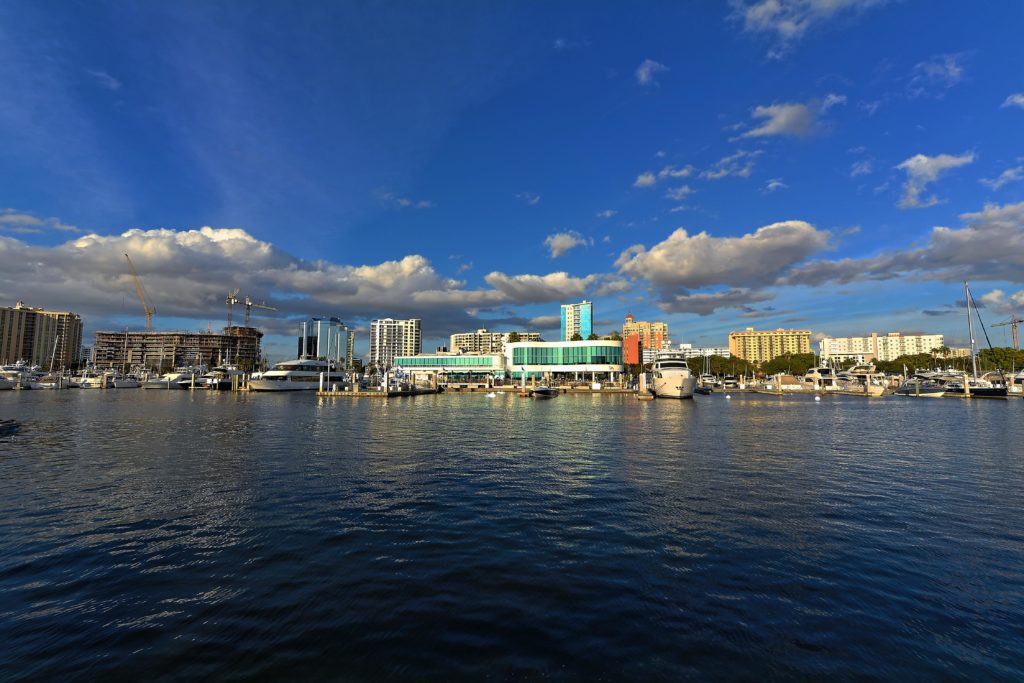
674	386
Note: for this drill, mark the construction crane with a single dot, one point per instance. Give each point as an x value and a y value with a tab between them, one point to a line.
140	290
231	301
250	304
1012	322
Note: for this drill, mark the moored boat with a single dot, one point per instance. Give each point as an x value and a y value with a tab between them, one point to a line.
303	374
671	376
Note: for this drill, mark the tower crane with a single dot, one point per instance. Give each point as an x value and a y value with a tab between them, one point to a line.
231	301
1012	322
250	304
141	292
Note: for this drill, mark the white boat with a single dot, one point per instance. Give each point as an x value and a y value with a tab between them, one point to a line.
6	384
90	379
302	374
671	376
126	382
173	379
21	375
220	377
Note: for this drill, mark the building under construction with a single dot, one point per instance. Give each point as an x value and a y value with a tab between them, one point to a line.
162	351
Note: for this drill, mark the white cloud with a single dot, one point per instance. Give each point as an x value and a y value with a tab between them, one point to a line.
740	164
997	301
756	259
922	171
789	20
775	184
562	242
932	77
870	106
23	222
1010	175
646	71
1014	100
794	120
398	202
529	197
832	100
673	172
607	213
104	80
645	180
679	193
864	167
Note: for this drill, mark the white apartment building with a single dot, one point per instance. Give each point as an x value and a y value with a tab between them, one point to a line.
878	347
390	338
483	341
690	351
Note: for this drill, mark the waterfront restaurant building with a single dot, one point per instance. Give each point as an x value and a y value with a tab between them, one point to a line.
589	361
761	346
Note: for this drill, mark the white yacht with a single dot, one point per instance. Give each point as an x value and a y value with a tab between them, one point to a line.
297	375
173	379
672	377
220	377
91	379
6	384
126	382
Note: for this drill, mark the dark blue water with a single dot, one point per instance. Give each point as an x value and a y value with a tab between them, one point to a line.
155	535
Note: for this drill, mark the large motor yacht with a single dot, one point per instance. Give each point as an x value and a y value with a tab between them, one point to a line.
302	374
672	377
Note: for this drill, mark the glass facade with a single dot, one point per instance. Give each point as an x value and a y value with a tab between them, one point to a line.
567	355
453	362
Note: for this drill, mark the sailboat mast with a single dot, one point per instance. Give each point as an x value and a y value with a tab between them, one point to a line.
970	328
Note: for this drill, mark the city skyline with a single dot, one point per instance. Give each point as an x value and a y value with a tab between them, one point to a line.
713	166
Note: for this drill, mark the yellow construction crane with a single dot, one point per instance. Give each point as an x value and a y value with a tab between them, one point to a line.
140	290
1012	322
231	301
250	304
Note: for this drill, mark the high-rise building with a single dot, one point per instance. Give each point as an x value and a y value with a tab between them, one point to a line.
483	341
577	319
761	346
162	351
390	338
639	336
326	339
40	337
690	351
878	347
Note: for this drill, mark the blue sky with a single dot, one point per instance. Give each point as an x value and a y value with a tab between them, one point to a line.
840	165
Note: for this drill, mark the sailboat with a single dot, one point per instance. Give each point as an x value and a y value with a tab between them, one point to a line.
974	386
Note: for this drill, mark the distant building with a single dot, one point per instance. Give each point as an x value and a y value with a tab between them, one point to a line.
40	337
483	341
326	339
577	319
690	351
878	347
390	338
641	339
165	350
761	346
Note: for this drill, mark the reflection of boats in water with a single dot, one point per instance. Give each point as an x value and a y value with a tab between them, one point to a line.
672	377
297	375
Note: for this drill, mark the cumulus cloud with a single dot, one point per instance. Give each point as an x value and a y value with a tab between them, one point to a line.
607	213
1010	175
792	119
529	198
690	261
990	248
1014	100
679	193
706	304
676	172
740	164
934	76
863	167
787	21
187	274
923	170
645	180
997	300
646	71
561	242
